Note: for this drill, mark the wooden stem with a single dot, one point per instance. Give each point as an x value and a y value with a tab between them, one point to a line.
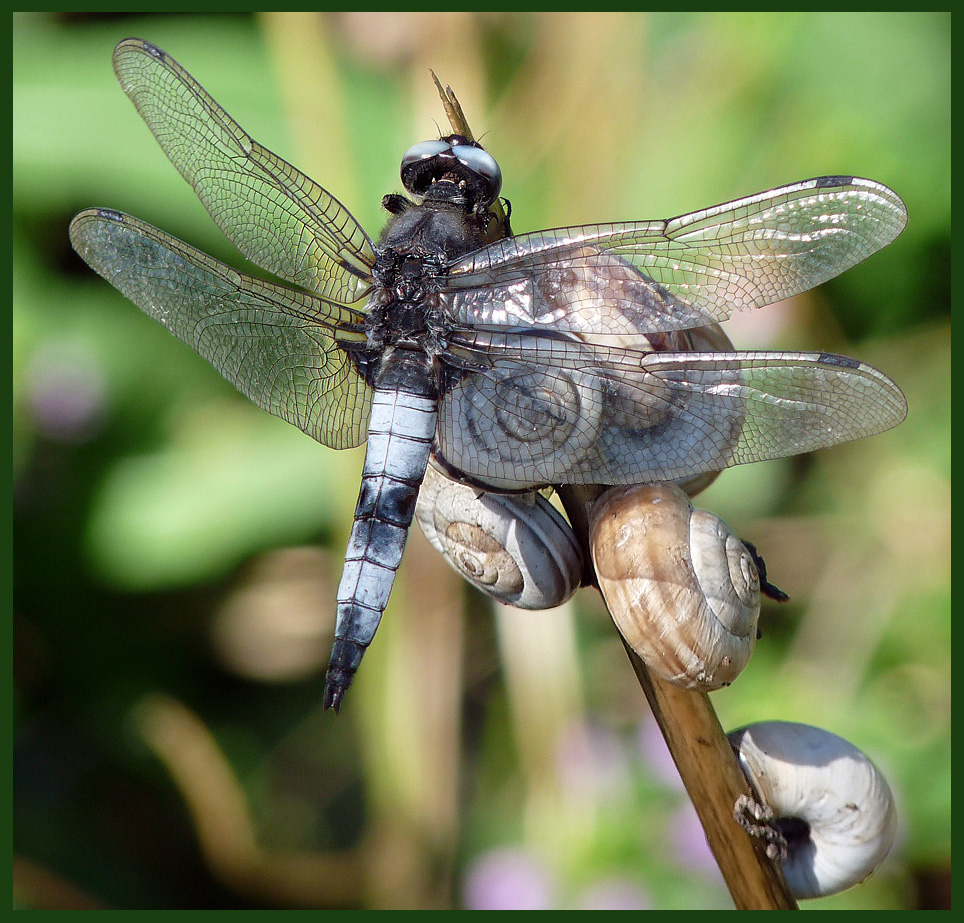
705	760
714	782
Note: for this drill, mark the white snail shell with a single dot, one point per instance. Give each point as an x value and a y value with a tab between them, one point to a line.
848	811
683	591
519	550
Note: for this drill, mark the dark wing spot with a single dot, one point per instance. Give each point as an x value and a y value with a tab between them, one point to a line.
844	362
824	181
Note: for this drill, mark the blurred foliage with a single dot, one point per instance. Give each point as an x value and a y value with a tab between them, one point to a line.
176	550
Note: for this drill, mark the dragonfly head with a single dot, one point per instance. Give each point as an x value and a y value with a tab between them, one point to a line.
453	169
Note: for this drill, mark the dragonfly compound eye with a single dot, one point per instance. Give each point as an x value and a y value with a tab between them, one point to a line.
424	150
482	163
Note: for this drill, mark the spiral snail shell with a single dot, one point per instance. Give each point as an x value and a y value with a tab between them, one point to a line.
825	796
683	591
518	549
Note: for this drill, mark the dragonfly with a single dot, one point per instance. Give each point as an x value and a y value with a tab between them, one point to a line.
514	362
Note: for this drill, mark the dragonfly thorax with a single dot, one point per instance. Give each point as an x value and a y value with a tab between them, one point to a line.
404	307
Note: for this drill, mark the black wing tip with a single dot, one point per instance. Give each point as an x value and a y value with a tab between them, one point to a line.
835	180
845	362
139	44
123	58
823	182
97	211
106	214
888	388
91	214
841	181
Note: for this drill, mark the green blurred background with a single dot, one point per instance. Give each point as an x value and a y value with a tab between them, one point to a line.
176	550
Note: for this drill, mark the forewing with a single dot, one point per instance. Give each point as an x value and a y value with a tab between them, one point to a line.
541	410
281	348
686	272
275	215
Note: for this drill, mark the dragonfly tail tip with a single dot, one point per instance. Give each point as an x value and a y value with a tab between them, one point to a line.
333	696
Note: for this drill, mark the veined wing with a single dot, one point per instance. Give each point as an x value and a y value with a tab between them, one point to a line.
690	271
546	410
275	215
280	347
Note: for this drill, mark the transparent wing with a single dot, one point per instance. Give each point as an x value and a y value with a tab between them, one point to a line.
276	216
284	349
542	410
686	272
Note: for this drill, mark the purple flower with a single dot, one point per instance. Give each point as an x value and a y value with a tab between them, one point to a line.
591	760
508	879
615	894
66	392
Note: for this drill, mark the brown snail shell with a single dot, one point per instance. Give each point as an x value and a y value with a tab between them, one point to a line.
683	590
517	549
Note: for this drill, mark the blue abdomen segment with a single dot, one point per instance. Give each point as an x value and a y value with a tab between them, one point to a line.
400	433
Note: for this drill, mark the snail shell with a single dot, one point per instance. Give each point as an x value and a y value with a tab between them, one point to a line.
683	591
518	549
523	418
520	424
847	811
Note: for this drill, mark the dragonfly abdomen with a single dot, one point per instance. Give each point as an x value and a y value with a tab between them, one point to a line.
400	433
